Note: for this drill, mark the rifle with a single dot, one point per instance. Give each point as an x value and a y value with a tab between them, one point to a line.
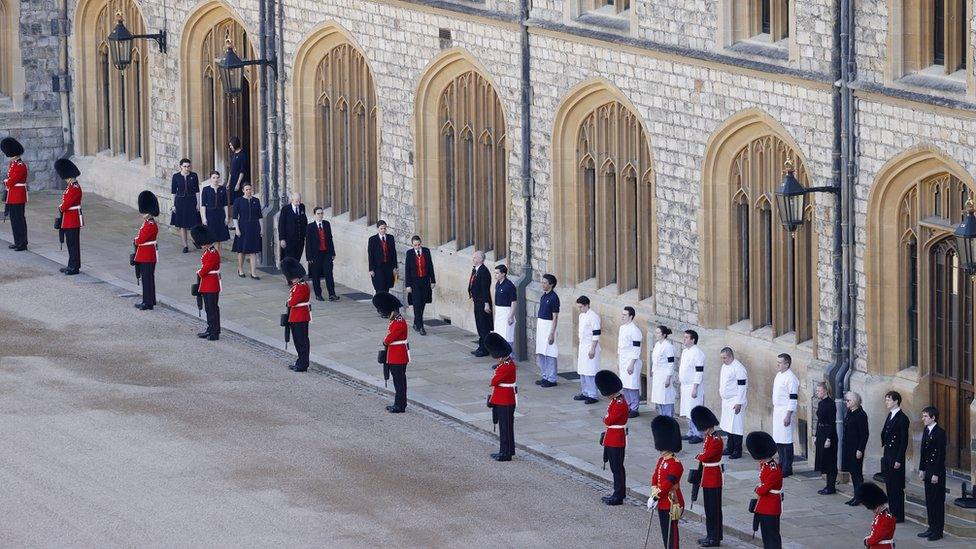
287	326
57	227
195	291
606	456
695	478
132	261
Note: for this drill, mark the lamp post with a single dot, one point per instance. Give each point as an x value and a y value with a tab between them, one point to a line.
966	239
231	68
120	42
790	198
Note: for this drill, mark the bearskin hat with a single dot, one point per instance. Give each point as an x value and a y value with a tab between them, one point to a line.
608	383
667	434
66	169
201	235
760	445
703	418
11	147
386	303
292	269
497	346
870	495
148	203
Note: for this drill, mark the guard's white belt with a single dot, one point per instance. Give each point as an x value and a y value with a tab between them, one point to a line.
511	385
217	272
401	342
716	464
616	426
886	542
153	243
20	184
305	304
75	208
776	492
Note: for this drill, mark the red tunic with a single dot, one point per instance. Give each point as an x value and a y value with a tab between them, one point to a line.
70	207
209	272
617	414
667	476
396	342
711	453
16	182
770	489
504	375
145	242
882	529
299	309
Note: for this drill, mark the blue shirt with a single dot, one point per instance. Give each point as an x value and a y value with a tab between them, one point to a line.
505	293
548	304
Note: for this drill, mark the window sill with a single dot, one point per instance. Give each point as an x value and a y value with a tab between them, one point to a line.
934	79
761	46
606	21
765	333
609	292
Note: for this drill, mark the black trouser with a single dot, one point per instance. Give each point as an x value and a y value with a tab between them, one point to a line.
895	487
18	224
399	374
383	277
147	273
483	322
213	312
616	458
299	334
506	429
735	445
769	527
419	292
670	538
785	452
322	267
72	239
713	513
935	504
832	481
857	474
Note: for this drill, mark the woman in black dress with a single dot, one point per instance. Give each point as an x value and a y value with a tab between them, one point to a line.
185	185
855	440
825	438
213	207
247	233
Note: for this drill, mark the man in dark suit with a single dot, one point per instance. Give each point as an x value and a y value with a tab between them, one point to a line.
320	254
419	281
381	250
479	290
292	222
894	442
932	471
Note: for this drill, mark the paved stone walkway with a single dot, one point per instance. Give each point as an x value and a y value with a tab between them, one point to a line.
442	376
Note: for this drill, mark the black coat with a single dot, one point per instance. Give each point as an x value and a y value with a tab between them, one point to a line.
414	282
291	227
375	253
855	438
312	240
826	459
933	454
479	286
894	440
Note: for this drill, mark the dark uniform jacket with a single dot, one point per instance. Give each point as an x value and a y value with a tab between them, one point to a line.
412	278
374	250
312	240
894	440
932	457
479	285
291	228
855	438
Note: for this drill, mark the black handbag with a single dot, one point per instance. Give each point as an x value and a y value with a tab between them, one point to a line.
195	289
381	356
752	505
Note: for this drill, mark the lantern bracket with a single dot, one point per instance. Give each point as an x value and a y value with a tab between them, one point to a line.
159	37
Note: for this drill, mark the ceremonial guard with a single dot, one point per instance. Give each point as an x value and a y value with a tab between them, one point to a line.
733	389
479	292
588	355
894	444
882	534
855	440
710	465
213	208
786	387
629	338
546	322
662	372
15	190
506	303
320	254
825	439
299	310
932	473
614	439
396	352
382	255
70	221
291	227
503	397
184	186
419	280
691	375
208	276
769	505
146	248
666	480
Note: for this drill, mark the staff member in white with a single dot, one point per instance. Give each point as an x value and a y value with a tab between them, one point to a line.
786	387
691	373
732	387
662	372
588	355
505	305
546	351
629	339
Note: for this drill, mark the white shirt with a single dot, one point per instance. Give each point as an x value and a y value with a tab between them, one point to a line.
894	411
785	388
729	386
692	368
295	208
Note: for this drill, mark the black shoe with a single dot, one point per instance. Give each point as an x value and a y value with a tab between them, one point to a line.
213	337
21	248
935	537
727	452
203	335
292	367
300	370
580	396
633	413
826	491
503	458
423	331
539	381
711	543
480	353
546	383
591	400
849	502
12	246
495	455
925	534
702	540
686	437
390	409
186	250
614	501
737	455
143	307
319	298
695	440
72	272
63	269
333	298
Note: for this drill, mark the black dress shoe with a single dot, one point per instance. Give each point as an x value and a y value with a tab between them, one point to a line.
614	501
143	307
214	337
849	502
423	331
727	452
186	250
632	414
63	269
737	455
20	249
390	409
203	335
935	537
711	543
695	440
319	298
591	400
300	370
826	491
480	353
72	272
396	410
503	458
580	396
12	246
495	455
539	381
333	298
686	437
702	540
925	534
292	367
546	383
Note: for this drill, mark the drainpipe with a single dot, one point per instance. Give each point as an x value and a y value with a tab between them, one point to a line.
268	254
521	332
282	135
64	86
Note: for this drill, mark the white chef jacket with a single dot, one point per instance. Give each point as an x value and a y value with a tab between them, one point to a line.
589	331
691	373
662	368
629	339
733	388
785	388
